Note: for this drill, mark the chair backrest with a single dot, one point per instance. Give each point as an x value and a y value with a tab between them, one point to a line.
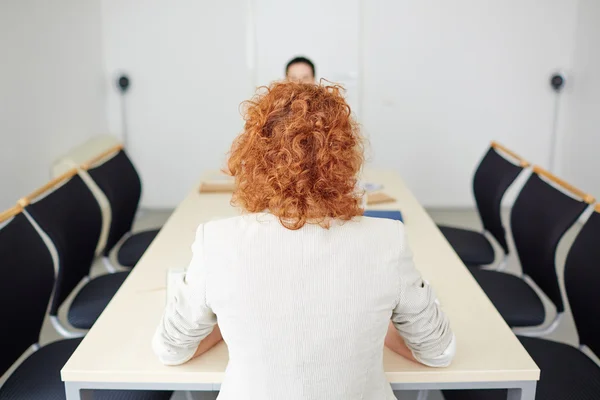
26	282
582	282
540	217
71	217
121	184
493	177
82	153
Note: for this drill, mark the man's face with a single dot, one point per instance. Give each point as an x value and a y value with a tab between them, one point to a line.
300	72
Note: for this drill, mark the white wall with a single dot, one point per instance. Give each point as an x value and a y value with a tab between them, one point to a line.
579	161
432	81
191	65
52	93
441	79
188	67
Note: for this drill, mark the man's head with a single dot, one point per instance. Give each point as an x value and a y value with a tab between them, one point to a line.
300	69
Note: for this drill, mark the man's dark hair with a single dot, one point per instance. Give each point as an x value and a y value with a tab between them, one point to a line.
299	60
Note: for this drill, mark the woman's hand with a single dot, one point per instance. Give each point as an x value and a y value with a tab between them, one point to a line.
209	342
394	342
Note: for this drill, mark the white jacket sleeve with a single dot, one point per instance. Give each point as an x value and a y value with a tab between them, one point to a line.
187	318
418	316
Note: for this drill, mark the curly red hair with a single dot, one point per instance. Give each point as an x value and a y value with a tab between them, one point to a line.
299	155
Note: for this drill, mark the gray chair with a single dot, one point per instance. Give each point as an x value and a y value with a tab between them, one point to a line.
68	213
566	372
493	177
540	217
115	175
27	278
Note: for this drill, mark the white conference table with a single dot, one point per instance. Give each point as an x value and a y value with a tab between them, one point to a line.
116	353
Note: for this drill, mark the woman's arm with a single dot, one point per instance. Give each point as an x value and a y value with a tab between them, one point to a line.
188	319
418	317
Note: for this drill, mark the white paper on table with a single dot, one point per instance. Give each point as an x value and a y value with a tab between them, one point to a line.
220	179
372	187
174	276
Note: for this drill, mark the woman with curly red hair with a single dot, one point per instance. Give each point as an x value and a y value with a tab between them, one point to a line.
305	290
299	156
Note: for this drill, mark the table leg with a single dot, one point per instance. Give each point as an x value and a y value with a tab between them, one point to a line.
74	392
526	392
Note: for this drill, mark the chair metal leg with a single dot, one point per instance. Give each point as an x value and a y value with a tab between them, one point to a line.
541	332
503	264
108	265
62	331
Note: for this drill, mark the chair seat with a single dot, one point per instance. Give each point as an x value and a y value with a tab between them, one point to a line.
514	299
134	247
93	298
38	378
472	247
566	374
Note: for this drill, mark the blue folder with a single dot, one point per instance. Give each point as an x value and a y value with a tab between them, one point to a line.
390	214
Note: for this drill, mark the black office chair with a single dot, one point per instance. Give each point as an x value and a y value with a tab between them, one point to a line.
116	176
26	280
540	217
566	372
492	178
71	217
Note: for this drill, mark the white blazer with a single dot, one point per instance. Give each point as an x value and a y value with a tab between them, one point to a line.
304	313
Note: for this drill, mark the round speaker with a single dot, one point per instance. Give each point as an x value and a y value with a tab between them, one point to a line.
557	81
123	83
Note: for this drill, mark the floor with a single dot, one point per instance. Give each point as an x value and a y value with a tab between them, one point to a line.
463	218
